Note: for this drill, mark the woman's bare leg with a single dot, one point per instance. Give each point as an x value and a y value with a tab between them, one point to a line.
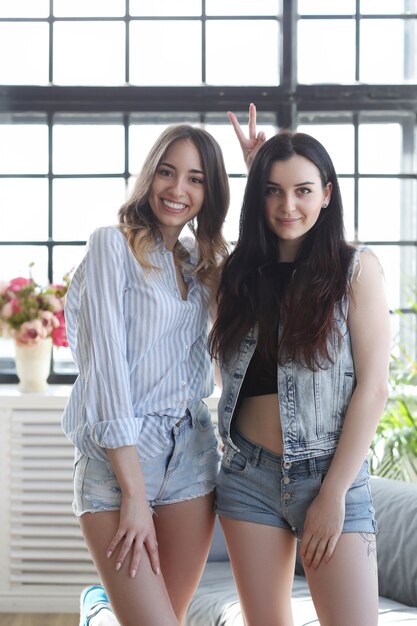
139	601
345	590
184	531
263	560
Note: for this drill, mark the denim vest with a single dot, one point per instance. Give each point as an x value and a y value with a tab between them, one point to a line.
312	403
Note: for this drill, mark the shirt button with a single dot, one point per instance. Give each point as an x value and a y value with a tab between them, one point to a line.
286	480
287	464
286	496
187	347
183	382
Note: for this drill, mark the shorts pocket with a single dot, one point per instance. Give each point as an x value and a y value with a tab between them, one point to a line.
236	462
362	478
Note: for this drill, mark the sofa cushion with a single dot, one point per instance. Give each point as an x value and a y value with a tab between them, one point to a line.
395	504
218	550
216	603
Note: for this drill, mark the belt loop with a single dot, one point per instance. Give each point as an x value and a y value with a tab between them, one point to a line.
190	414
313	468
256	454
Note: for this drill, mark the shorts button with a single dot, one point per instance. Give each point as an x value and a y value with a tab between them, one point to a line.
286	480
287	464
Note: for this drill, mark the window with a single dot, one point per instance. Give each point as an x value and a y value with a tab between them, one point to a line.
91	84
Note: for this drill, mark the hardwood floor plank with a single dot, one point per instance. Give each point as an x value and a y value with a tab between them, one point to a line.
39	619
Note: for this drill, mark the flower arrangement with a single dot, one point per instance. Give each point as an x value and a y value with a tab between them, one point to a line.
30	313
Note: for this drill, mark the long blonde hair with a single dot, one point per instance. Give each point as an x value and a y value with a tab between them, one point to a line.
138	223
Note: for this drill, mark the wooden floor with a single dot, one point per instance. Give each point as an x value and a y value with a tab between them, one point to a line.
39	619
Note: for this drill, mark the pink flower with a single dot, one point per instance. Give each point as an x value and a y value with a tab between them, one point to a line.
17	284
30	313
7	311
55	303
59	335
30	332
49	321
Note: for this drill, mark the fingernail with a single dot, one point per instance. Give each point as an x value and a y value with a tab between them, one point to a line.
118	566
133	573
158	571
109	553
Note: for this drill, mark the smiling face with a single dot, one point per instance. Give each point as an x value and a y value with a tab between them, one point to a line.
294	198
177	191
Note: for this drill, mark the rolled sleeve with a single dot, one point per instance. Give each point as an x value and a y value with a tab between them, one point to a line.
117	433
99	333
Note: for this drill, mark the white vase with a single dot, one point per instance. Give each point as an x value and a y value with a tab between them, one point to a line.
33	363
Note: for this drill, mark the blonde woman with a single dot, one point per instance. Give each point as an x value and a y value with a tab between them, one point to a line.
146	455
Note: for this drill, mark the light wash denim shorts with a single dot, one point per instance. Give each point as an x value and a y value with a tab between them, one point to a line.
185	470
256	485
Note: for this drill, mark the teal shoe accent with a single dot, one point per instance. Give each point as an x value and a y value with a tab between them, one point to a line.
92	600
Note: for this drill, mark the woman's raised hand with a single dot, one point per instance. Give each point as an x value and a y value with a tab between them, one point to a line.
250	145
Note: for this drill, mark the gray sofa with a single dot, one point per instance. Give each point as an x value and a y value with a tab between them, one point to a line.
216	602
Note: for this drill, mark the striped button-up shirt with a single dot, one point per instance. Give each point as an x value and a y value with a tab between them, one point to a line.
141	350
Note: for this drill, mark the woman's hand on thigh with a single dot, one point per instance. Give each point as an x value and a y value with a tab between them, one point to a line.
136	529
322	529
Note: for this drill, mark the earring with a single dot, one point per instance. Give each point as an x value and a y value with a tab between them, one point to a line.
324	206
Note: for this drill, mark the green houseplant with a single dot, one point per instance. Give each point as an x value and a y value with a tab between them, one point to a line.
394	448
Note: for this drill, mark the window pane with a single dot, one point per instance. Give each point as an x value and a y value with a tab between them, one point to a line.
154	60
81	205
165	7
382	63
85	149
89	8
93	61
66	259
24	8
23	149
141	139
326	7
389	257
26	48
226	137
326	51
388	6
15	261
379	209
231	225
143	132
7	351
231	61
63	361
338	139
347	190
380	148
23	209
243	7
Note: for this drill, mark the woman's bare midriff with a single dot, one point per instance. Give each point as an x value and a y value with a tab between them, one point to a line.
259	420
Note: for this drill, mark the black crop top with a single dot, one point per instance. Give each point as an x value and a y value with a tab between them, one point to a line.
261	378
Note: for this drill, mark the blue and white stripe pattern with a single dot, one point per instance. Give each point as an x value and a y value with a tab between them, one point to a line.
140	348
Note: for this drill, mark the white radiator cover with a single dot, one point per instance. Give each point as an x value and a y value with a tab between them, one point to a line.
44	563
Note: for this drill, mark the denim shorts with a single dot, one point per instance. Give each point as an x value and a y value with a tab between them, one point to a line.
185	470
256	485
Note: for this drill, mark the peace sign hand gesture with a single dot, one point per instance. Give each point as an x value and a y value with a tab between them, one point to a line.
250	145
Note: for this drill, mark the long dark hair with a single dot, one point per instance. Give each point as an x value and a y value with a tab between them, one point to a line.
247	292
138	222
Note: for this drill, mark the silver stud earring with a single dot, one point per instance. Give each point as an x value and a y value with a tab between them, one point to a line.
324	206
